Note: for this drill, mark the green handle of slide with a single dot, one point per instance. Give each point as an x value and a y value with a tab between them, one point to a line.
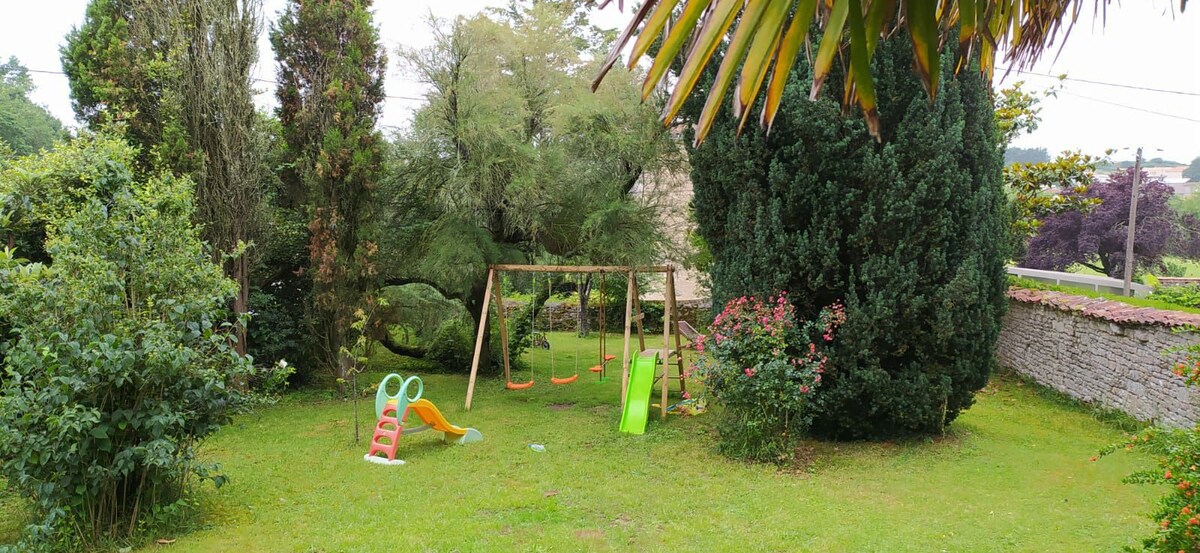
402	399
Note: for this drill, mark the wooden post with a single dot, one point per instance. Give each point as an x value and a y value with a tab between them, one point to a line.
479	338
678	344
629	291
503	329
666	362
639	316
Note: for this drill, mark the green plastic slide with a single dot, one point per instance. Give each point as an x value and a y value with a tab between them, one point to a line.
637	396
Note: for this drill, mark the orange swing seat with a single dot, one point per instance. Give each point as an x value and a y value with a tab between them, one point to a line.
518	385
566	380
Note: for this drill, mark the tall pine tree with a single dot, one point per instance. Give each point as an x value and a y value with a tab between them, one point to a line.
331	70
907	231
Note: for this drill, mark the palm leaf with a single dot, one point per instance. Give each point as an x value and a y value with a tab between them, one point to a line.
789	49
758	59
1022	29
719	20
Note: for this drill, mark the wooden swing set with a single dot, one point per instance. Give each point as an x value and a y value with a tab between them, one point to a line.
634	317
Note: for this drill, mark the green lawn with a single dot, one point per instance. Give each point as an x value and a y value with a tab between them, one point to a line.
1191	268
1011	475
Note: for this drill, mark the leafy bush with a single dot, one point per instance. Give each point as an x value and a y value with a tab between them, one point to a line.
1177	513
452	346
908	230
760	365
277	331
1186	295
122	363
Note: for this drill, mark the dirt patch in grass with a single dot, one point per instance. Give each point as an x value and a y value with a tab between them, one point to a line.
560	406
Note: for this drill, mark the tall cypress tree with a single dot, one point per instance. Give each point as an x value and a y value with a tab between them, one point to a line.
331	70
908	231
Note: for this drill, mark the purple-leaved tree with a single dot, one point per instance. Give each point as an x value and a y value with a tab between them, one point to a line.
1097	239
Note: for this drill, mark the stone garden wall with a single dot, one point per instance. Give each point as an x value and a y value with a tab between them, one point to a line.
562	317
1104	352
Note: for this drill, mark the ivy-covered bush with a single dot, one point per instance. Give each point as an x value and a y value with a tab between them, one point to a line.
120	364
908	230
760	365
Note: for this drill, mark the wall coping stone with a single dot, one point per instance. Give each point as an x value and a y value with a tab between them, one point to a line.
1105	309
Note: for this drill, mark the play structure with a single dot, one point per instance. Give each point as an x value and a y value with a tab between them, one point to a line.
638	372
393	412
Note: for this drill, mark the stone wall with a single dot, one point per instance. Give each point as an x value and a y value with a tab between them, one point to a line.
1101	351
559	317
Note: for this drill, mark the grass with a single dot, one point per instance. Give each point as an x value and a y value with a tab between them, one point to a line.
1191	268
1012	474
1134	301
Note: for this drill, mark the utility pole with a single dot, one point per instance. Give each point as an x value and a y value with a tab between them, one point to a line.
1137	181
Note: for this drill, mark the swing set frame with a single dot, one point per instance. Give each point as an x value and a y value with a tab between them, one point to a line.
633	320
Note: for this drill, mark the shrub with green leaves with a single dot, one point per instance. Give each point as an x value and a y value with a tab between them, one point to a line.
452	346
1186	295
1177	513
761	365
120	363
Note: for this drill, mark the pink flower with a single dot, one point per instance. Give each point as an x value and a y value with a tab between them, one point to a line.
803	389
750	371
687	395
828	337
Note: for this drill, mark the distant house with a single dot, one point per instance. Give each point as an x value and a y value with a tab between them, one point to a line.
670	192
1171	176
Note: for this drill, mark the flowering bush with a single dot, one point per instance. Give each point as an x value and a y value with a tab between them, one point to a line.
1178	452
761	366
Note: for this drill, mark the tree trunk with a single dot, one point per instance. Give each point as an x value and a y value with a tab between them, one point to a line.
473	305
241	304
584	288
405	349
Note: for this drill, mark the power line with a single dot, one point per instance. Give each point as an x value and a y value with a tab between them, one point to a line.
1171	115
255	79
1102	83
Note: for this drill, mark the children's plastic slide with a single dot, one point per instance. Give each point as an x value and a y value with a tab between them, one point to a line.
430	415
637	395
393	411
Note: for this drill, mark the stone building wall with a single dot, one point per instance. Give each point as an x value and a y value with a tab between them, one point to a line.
1103	352
560	317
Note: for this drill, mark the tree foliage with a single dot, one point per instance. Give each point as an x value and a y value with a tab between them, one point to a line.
25	126
211	131
903	231
1025	155
115	75
121	361
1036	186
1193	170
331	69
1096	239
512	158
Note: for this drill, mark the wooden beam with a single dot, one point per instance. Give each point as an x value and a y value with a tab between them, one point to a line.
629	290
487	291
580	268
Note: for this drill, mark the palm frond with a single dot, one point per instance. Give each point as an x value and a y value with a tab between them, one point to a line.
768	34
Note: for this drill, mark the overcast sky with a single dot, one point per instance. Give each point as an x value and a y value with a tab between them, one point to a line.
1145	44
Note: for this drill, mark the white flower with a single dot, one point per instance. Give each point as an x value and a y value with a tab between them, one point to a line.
283	363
